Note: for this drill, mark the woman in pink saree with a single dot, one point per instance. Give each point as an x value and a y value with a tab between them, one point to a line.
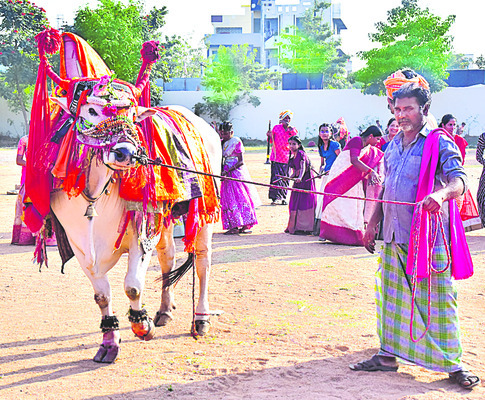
238	199
356	172
21	235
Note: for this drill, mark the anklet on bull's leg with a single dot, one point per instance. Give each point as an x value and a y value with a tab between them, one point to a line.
109	323
141	324
109	349
137	316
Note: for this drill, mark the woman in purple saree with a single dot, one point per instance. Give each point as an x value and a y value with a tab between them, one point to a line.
355	172
302	205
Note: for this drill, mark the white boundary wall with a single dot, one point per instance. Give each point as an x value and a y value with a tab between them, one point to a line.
312	107
10	124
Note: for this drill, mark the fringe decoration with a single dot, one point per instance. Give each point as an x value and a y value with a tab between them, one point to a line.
40	252
48	41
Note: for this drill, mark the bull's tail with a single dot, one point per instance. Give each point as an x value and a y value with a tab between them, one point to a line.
172	277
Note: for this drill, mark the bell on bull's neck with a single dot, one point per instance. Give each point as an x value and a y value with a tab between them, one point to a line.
90	211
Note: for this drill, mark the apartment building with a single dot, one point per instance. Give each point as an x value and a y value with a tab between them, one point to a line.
261	23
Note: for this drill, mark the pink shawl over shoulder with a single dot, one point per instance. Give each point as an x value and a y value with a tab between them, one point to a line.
461	261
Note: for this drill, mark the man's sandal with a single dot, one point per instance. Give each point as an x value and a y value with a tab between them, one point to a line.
371	365
465	379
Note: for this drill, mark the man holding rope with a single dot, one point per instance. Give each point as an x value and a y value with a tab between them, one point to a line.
415	325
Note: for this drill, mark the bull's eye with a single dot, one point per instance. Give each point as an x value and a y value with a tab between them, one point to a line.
92	112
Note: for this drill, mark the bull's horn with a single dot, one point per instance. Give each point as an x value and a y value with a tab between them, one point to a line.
150	55
49	42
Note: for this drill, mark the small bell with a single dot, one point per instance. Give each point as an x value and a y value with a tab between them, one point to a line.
90	211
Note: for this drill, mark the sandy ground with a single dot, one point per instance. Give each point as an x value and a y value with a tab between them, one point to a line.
296	313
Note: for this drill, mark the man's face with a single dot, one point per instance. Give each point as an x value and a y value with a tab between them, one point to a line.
285	121
409	114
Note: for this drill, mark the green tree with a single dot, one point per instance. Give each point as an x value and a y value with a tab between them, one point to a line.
117	31
20	22
459	61
230	77
480	61
412	38
313	48
180	60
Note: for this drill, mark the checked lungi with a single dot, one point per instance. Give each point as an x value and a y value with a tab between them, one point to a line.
440	349
280	169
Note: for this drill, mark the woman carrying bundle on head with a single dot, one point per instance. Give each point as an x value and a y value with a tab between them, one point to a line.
356	173
238	199
302	205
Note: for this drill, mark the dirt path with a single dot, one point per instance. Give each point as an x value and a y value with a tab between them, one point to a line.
296	313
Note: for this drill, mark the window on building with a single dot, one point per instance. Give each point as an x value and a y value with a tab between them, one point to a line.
256	25
271	58
226	30
216	18
270	27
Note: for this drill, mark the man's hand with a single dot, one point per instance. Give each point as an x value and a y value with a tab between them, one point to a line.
432	203
370	238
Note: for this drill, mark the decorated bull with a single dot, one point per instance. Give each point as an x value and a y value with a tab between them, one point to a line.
88	174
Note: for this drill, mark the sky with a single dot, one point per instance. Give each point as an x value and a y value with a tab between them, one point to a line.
191	18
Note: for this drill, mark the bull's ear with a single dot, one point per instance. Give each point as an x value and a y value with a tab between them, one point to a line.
62	102
144	113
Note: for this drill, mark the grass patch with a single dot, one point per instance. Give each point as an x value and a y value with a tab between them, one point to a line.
299	264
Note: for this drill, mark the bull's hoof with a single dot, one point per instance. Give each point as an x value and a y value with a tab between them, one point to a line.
162	318
107	354
202	327
144	330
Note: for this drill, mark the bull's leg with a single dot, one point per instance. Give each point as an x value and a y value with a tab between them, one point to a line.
166	258
203	252
138	261
110	347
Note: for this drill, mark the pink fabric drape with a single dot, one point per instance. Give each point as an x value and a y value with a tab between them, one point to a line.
38	182
461	261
